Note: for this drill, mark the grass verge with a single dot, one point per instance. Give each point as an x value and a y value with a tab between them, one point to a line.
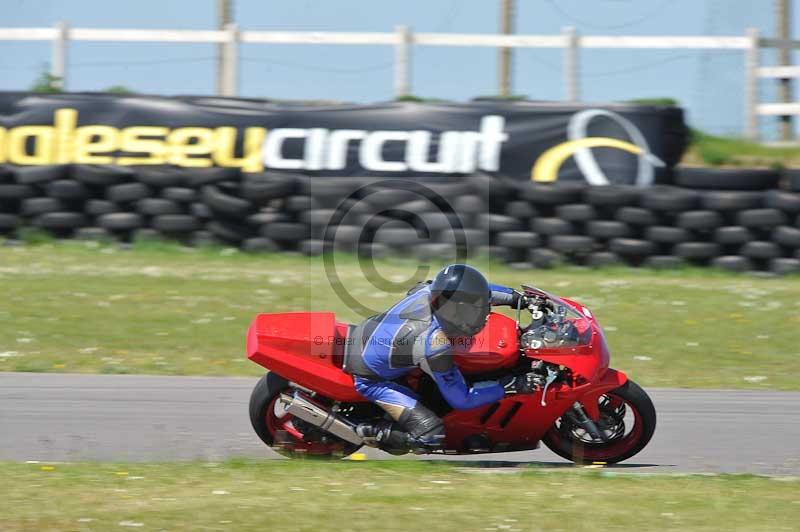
730	151
160	309
402	495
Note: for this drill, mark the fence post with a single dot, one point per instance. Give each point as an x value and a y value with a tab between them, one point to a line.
506	70
58	58
571	64
751	98
230	61
402	61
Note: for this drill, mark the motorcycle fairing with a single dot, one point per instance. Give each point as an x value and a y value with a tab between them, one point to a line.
518	422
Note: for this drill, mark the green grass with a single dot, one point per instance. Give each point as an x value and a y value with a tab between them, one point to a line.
729	151
654	101
159	309
366	496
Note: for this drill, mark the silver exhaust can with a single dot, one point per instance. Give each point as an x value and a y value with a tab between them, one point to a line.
303	407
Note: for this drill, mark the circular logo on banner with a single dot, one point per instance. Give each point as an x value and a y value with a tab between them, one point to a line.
546	168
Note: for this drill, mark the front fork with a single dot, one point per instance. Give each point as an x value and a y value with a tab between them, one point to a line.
587	409
586	423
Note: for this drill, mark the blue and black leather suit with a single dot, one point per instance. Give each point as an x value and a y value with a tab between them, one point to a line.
386	347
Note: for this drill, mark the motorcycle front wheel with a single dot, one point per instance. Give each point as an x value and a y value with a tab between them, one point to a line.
627	422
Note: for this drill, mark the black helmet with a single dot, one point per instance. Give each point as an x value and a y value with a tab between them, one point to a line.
460	299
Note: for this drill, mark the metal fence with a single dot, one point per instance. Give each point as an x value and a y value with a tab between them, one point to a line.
404	40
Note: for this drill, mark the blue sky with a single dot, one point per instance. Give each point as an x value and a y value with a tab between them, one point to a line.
708	84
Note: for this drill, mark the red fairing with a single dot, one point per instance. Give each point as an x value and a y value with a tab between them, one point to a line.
496	346
520	421
305	348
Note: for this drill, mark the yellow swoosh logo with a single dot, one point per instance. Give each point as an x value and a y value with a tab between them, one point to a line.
547	165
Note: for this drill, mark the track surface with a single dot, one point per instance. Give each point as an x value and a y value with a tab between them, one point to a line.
58	417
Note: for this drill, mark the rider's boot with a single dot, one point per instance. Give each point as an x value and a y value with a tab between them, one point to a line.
419	431
373	433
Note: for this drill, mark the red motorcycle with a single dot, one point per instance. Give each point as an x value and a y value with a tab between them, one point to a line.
582	410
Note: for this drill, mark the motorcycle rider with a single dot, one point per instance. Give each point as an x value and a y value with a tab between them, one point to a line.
418	332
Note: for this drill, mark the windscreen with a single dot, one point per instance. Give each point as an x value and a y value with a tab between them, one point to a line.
555	323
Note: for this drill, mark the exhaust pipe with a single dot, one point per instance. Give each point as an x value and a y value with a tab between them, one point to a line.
301	406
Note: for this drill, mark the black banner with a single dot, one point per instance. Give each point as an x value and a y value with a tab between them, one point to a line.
522	140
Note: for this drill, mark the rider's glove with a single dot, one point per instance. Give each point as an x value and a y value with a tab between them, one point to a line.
518	300
514	384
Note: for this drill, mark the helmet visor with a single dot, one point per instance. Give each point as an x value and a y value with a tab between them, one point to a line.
463	315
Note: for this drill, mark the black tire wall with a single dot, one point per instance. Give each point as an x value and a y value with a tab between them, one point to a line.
736	220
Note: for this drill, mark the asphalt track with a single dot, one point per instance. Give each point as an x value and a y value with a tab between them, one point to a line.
57	417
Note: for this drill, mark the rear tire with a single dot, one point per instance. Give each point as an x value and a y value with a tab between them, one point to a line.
266	424
634	397
266	389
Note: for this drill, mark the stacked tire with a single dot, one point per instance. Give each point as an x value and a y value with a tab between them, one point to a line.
739	220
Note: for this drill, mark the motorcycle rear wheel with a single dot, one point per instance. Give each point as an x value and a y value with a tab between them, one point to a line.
282	432
563	440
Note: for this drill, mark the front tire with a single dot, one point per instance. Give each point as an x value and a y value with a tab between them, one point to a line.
282	432
628	437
